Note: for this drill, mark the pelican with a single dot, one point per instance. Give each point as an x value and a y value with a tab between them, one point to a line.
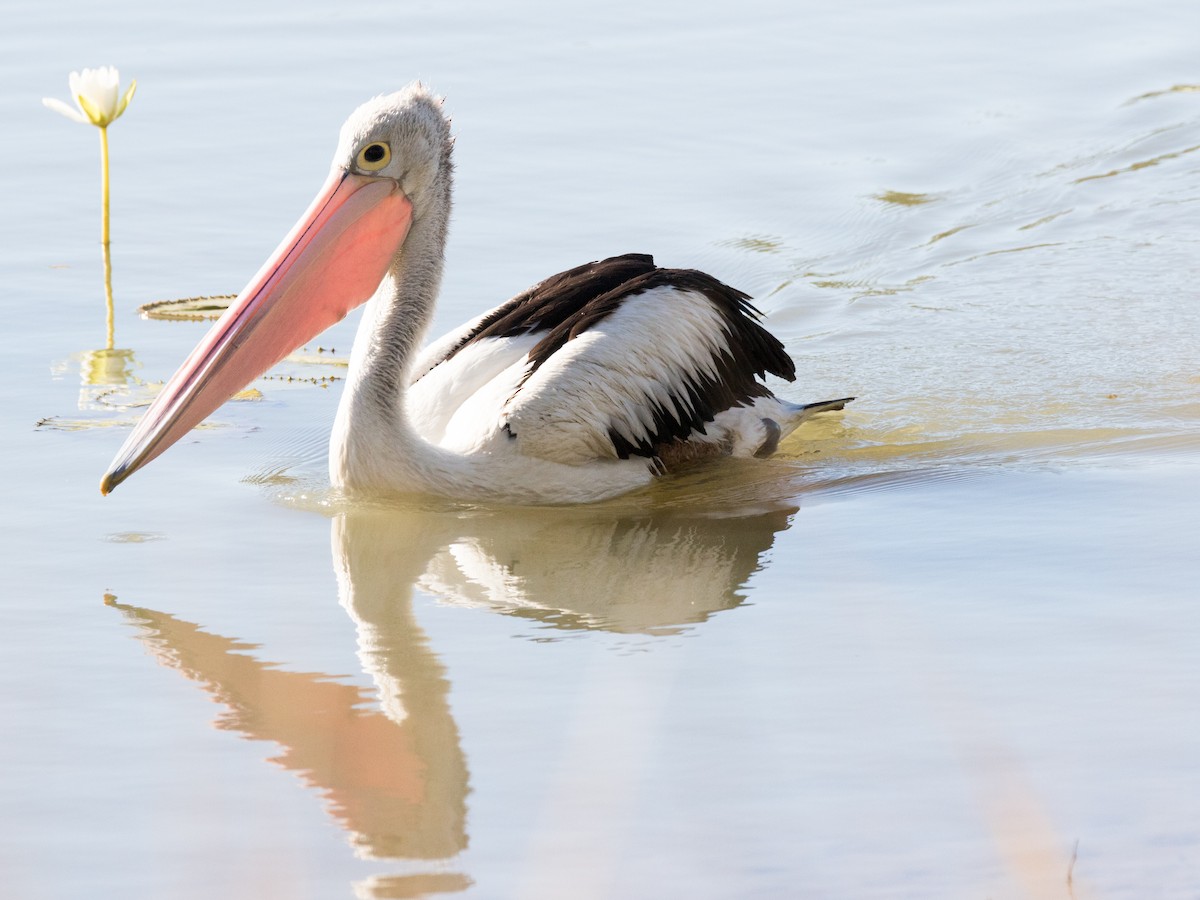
590	384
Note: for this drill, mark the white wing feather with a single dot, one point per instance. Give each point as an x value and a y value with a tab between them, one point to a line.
615	375
457	404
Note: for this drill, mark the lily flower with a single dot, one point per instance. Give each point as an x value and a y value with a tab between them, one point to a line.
97	94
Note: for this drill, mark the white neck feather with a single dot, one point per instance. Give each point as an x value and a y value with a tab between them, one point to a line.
374	446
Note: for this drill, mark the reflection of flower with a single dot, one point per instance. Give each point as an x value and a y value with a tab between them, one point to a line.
106	367
107	379
97	94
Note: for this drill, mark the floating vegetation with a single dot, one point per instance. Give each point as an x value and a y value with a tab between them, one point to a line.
1137	166
275	477
318	380
902	198
865	288
323	357
1045	220
1174	89
62	423
125	399
950	232
1004	250
187	309
132	537
59	423
755	243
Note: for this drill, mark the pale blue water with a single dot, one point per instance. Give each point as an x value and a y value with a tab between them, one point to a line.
940	647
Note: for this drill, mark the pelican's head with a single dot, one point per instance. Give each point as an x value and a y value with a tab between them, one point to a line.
391	169
403	136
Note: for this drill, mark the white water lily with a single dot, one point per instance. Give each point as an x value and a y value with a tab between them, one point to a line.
97	94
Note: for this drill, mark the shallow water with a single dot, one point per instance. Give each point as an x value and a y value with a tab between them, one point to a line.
943	645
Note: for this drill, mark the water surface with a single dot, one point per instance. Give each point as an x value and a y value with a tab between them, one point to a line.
941	646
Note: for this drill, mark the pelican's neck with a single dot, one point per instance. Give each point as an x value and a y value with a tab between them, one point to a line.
374	445
395	322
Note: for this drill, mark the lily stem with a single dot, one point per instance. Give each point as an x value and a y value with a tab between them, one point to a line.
104	185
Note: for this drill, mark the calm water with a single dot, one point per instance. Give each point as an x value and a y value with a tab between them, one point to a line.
942	647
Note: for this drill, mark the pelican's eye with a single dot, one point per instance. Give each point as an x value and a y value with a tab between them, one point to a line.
374	157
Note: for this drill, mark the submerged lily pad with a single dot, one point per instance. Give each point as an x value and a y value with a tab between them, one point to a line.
62	423
188	308
904	198
132	537
1173	89
755	243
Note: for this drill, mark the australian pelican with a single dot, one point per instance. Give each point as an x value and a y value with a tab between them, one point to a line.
587	385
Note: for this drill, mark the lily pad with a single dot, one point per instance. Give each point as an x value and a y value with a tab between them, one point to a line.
188	308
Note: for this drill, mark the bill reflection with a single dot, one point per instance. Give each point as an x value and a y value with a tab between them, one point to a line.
392	772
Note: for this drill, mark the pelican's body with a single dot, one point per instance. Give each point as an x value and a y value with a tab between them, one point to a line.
588	385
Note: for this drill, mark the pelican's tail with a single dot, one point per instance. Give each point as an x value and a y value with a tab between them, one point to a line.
803	413
798	414
794	416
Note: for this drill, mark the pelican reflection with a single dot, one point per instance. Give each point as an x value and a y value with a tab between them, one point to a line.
653	571
391	768
393	775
